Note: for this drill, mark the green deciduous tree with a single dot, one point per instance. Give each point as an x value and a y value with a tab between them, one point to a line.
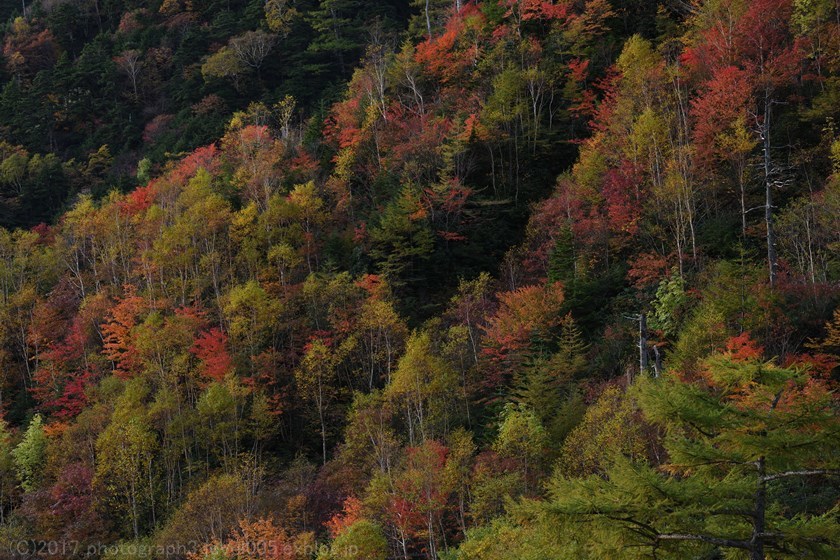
279	14
363	540
30	455
221	414
669	305
224	63
316	380
425	388
7	470
522	438
251	314
125	459
370	441
210	512
609	427
525	532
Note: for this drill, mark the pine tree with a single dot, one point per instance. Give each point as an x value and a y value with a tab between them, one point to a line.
561	261
548	385
570	359
737	437
402	241
333	23
537	388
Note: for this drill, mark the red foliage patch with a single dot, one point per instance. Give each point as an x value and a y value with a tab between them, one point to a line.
211	347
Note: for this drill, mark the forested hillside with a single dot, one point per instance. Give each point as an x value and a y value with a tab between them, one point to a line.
440	279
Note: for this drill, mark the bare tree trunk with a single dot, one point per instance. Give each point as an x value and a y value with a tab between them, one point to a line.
643	335
757	541
743	187
657	362
323	423
134	523
338	39
772	259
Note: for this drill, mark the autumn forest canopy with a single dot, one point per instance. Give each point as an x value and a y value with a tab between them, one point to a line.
435	279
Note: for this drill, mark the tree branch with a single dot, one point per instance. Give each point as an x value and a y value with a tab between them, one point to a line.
829	472
643	528
731	543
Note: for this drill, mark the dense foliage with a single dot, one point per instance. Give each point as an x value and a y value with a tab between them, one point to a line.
334	279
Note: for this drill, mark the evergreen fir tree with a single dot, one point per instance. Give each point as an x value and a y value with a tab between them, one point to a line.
537	387
736	437
561	262
570	359
547	384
